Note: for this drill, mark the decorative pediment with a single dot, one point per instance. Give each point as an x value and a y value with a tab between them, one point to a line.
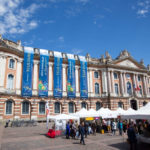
128	63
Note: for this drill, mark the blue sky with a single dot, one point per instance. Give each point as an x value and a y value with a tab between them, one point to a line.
79	26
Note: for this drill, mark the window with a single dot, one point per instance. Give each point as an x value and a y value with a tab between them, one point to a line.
42	108
144	103
57	107
129	90
11	63
149	90
139	78
10	82
83	105
71	107
96	74
120	105
9	107
98	105
115	75
140	89
96	88
128	76
116	89
25	108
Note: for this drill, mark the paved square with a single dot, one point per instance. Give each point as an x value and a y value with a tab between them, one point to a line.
33	138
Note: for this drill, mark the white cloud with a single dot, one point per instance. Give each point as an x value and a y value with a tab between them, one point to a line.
16	19
61	39
142	8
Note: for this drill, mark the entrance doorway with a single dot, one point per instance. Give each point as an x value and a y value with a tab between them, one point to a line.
133	104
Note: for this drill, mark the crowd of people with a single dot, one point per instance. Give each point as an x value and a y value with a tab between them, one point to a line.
131	128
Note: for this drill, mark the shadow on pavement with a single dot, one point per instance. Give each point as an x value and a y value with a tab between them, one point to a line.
126	146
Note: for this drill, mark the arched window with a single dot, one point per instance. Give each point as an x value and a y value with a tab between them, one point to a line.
144	103
98	105
11	63
120	105
115	75
71	107
139	78
57	107
25	107
140	89
129	90
41	107
96	74
128	76
116	89
96	88
9	107
83	105
10	82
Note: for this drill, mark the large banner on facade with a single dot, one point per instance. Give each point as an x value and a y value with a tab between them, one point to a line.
83	78
71	88
43	73
57	75
27	72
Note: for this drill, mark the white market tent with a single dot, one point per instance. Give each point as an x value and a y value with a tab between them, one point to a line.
81	114
142	113
119	112
63	117
106	113
92	113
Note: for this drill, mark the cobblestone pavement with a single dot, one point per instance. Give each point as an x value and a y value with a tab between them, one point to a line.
33	138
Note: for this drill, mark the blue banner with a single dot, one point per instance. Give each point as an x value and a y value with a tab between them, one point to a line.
83	80
57	77
43	73
27	72
71	88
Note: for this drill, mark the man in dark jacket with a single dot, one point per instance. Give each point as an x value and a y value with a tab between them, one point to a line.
132	137
82	132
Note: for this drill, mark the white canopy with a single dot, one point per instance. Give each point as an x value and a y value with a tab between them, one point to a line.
119	112
142	113
81	114
92	113
63	117
106	113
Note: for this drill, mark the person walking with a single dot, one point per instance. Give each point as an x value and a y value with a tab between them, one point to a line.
120	127
114	127
82	132
132	137
67	130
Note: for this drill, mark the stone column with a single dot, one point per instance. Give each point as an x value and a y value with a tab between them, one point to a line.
104	82
125	84
91	83
146	81
144	85
77	80
18	77
112	82
121	84
50	80
2	71
64	80
88	78
35	80
109	82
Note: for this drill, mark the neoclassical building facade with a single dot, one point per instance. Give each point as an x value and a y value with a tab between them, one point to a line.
112	83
